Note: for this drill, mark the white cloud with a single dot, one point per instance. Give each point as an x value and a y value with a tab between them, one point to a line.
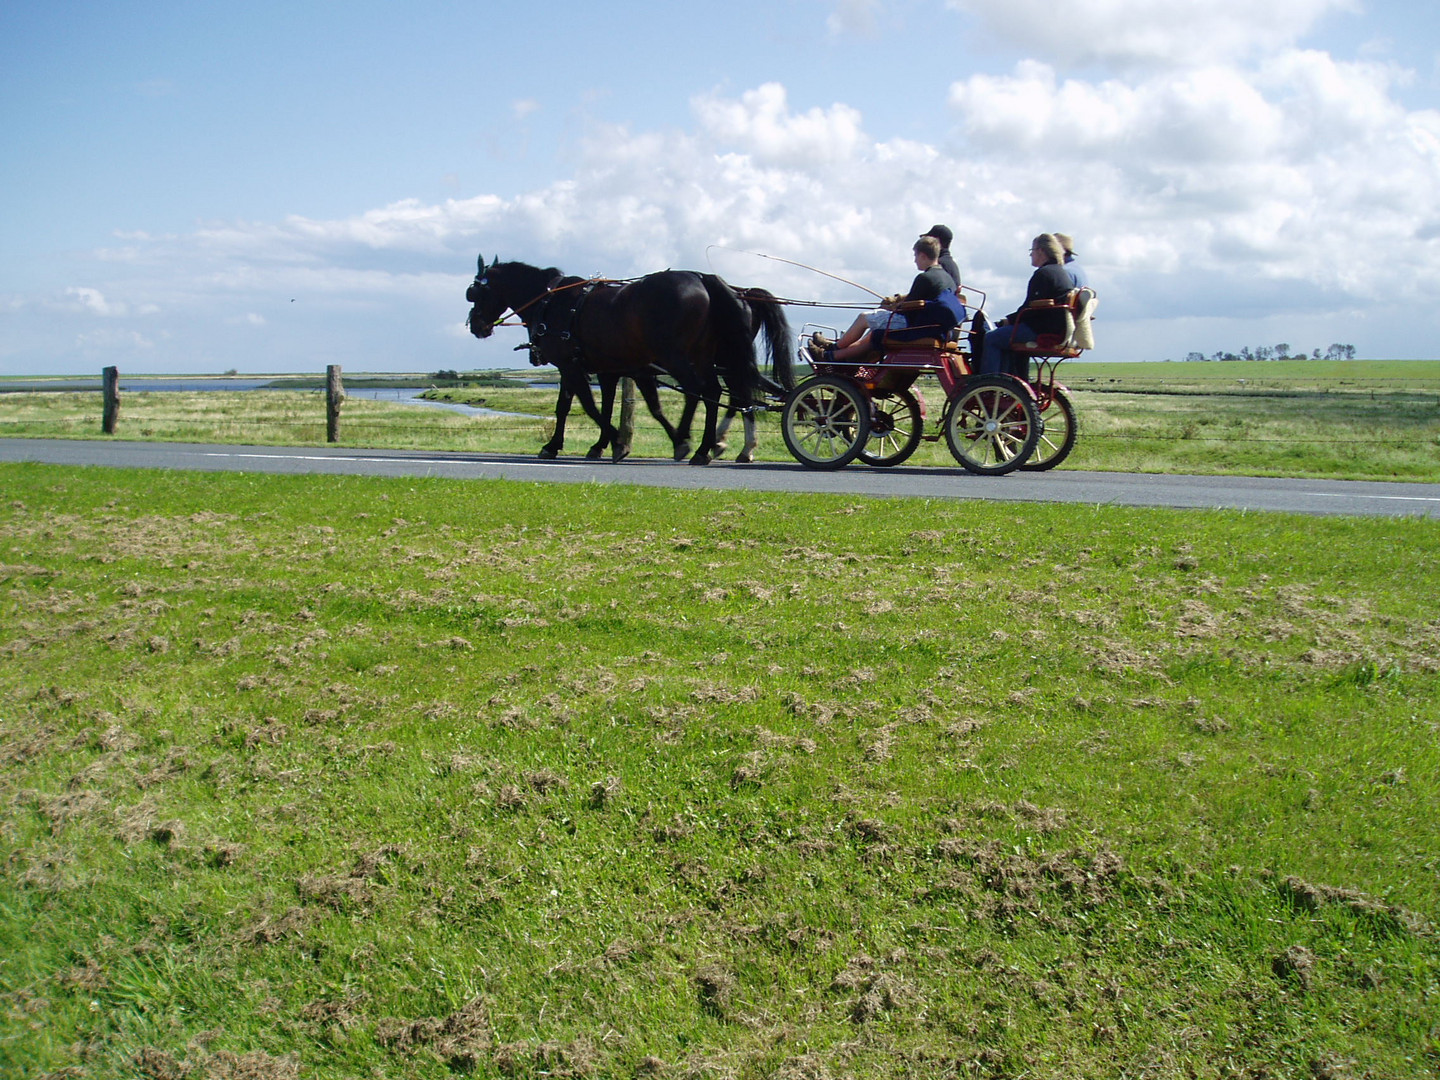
1307	170
93	300
762	125
107	342
860	17
1126	33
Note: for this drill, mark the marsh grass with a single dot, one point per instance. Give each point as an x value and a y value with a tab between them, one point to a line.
1341	420
339	777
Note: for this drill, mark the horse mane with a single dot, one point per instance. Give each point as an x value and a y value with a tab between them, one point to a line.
524	276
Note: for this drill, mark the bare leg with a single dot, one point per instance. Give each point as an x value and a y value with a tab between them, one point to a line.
853	351
854	334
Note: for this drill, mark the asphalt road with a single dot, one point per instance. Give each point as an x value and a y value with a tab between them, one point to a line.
1324	497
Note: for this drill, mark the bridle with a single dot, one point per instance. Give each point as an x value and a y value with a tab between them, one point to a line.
550	292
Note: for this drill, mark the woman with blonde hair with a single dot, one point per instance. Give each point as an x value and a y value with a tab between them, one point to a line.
1050	281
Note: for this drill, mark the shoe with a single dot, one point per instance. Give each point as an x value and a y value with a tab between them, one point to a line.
815	351
821	340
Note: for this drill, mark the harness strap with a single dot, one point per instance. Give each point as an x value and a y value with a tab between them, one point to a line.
554	325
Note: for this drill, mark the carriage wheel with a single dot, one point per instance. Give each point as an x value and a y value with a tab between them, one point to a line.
1058	438
826	422
896	427
992	425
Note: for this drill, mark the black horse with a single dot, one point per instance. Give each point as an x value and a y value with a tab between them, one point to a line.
691	327
765	313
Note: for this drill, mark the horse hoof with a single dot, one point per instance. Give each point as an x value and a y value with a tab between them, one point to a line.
682	451
618	456
701	458
546	453
746	458
593	454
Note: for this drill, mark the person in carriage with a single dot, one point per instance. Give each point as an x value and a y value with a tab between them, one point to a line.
1072	262
947	263
940	311
1050	281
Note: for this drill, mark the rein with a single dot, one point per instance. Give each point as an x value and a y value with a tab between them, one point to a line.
546	295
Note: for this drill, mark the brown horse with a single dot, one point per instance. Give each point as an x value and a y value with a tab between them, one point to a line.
693	328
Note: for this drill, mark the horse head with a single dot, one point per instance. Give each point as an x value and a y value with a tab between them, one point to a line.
487	304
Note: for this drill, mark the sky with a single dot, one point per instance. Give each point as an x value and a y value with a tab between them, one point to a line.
191	187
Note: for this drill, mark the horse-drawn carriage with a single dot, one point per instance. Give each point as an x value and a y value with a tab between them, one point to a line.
698	331
993	424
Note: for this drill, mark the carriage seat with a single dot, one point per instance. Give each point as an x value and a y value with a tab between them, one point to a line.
1079	307
933	324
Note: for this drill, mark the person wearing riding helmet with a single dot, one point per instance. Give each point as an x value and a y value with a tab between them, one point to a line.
946	260
1051	281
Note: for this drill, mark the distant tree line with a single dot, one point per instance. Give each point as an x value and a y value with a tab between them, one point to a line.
1277	352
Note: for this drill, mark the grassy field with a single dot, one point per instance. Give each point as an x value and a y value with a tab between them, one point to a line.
1346	420
345	777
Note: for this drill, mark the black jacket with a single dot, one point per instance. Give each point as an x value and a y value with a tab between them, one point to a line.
1049	282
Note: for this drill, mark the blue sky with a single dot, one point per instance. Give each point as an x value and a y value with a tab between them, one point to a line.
275	187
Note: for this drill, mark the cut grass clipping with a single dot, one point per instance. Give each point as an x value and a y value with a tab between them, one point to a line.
338	777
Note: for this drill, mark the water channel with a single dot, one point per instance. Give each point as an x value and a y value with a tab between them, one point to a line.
408	395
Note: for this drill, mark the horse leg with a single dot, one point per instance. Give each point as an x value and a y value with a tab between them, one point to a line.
681	438
562	410
747	452
706	453
620	450
607	406
651	393
724	426
579	383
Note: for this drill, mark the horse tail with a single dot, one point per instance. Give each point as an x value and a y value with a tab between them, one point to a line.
730	320
771	315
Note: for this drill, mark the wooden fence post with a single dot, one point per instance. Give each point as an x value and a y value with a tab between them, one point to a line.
110	389
334	395
627	416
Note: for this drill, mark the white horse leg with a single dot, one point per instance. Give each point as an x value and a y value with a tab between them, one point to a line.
747	452
721	429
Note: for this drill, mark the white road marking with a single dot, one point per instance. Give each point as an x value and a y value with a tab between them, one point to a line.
1391	498
392	461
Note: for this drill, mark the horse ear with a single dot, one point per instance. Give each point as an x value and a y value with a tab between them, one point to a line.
480	271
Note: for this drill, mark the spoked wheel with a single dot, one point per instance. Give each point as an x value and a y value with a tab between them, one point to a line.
896	427
826	422
992	426
1058	438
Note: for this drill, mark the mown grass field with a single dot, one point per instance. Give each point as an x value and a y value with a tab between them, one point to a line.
1340	420
343	777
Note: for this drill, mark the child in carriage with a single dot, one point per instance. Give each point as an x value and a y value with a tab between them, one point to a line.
932	285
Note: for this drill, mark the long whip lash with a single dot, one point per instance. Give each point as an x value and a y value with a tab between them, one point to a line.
802	266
